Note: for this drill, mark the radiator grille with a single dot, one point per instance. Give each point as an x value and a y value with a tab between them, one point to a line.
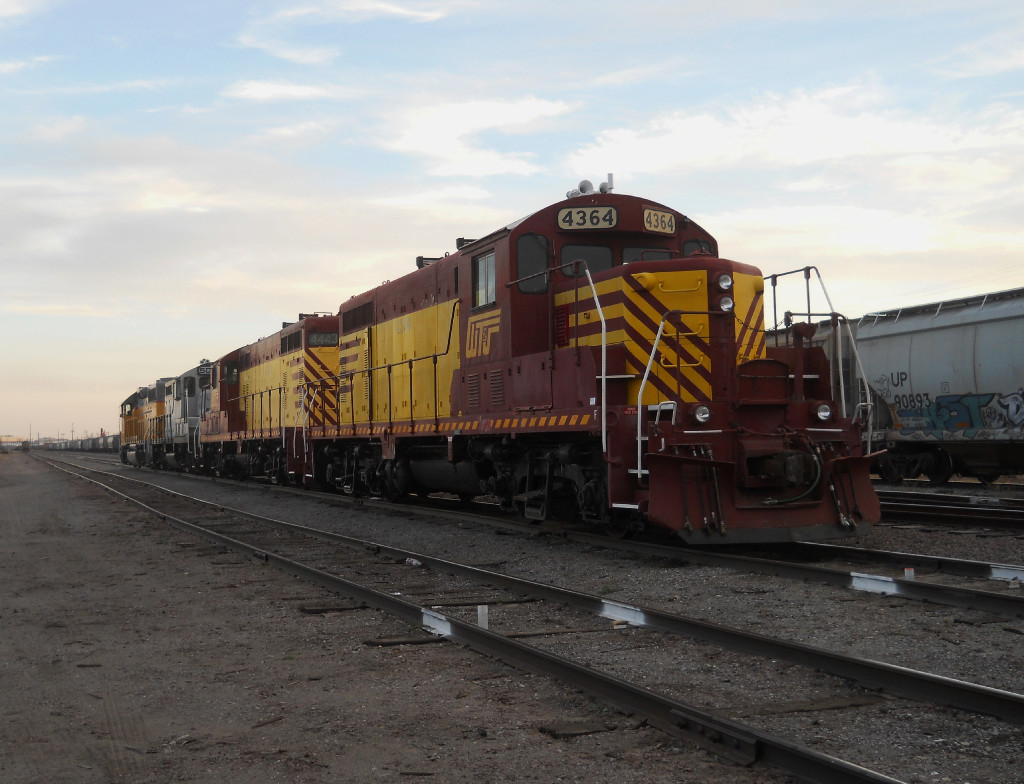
497	390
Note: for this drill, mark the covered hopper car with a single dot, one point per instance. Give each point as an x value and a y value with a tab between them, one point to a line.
947	387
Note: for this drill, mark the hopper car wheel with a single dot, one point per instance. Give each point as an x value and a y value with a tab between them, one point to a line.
889	470
941	467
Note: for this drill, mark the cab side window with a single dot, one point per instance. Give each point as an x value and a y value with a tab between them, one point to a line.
531	260
597	257
629	255
484	286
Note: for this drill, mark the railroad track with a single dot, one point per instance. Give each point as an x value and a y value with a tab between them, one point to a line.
287	546
943	509
1005	601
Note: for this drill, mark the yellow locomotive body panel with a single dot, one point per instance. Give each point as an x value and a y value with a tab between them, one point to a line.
262	393
354	379
633	306
312	387
133	427
293	389
400	370
749	309
153	426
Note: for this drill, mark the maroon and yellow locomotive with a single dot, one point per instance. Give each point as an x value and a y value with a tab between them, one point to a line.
264	409
596	361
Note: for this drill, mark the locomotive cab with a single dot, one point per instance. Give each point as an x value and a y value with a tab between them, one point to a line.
696	425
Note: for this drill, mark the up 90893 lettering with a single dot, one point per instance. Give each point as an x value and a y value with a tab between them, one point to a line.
596	362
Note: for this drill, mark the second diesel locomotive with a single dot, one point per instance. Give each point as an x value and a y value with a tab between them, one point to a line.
595	361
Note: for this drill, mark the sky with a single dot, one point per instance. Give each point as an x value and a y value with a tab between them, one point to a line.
179	178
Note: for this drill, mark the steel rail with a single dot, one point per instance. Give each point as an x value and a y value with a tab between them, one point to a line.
896	680
987	601
958	566
966	500
955	509
731	739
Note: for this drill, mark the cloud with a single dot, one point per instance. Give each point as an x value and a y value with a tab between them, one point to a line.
917	253
303	55
362	10
286	91
474	206
850	178
447	134
278	33
303	130
674	67
851	133
224	221
847	231
63	310
58	129
13	66
990	56
131	85
10	9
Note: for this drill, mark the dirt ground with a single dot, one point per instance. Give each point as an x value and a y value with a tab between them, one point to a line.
132	653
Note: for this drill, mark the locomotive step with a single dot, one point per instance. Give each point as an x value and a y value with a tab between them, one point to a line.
534	504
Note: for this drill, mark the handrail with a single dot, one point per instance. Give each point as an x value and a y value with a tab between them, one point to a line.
835	318
868	406
295	427
305	421
604	363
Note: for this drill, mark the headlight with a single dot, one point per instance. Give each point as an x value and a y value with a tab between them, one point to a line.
725	281
824	412
726	304
701	414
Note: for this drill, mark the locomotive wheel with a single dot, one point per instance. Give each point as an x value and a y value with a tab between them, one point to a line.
987	478
617	529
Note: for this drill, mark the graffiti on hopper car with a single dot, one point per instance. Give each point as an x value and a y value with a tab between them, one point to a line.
959	416
1013	404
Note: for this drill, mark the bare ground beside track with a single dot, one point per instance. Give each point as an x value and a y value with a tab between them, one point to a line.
130	652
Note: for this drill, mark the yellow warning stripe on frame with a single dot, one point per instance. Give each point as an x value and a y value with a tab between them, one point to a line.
463	426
